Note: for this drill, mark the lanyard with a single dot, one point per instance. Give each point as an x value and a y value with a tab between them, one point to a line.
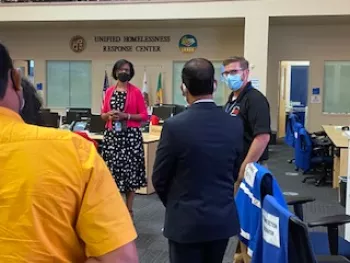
230	105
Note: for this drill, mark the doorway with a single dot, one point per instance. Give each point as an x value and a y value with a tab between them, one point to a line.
26	67
293	92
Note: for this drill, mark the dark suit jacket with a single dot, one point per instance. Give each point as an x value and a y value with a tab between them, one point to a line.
196	163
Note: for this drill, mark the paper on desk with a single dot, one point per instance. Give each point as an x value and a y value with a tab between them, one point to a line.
346	134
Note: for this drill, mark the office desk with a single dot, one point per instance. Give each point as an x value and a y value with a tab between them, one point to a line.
150	144
340	158
347	198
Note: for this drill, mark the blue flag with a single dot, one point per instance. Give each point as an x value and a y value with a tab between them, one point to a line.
105	86
105	83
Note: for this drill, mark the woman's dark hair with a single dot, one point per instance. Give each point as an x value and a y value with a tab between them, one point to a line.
32	103
119	64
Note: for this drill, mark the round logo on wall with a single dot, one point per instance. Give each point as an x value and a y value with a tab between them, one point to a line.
188	44
77	44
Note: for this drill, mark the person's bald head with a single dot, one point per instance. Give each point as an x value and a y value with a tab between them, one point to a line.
198	77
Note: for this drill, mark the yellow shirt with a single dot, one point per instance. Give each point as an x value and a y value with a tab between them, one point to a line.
58	200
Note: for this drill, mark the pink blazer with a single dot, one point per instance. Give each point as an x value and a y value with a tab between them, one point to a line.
134	104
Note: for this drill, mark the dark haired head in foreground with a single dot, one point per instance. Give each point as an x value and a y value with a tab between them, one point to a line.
198	80
16	93
11	95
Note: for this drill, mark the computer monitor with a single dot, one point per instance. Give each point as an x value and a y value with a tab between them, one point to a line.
79	126
45	110
50	119
97	125
163	112
78	114
179	109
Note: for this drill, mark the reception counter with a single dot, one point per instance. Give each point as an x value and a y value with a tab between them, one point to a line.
150	144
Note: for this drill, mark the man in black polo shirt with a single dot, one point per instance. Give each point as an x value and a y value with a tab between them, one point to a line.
252	106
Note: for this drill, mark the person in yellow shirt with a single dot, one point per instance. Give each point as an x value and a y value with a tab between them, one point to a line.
58	200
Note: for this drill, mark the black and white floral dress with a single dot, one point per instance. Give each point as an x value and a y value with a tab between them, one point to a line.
123	152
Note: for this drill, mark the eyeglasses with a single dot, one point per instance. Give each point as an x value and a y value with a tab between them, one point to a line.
231	72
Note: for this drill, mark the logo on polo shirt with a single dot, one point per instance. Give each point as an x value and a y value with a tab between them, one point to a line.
235	111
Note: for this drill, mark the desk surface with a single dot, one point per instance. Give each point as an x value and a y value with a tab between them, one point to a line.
336	135
147	138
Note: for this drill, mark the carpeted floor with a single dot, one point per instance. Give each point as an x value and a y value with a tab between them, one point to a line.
149	212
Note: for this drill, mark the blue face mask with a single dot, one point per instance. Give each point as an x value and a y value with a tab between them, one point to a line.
234	82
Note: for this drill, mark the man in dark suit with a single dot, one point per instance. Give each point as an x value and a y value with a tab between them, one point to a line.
196	163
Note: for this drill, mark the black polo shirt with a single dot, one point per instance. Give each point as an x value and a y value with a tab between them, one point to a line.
254	109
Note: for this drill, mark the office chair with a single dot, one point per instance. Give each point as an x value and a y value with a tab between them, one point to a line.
313	155
257	183
291	127
297	203
324	243
283	238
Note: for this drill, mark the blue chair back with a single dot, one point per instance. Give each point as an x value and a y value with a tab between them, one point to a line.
272	246
303	150
257	183
292	126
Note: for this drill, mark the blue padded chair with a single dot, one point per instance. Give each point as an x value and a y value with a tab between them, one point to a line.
283	238
313	154
303	150
289	139
292	125
257	183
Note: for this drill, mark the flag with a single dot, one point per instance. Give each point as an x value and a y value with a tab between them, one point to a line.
105	83
145	91
105	86
160	89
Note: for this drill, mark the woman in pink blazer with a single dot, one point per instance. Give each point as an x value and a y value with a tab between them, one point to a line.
123	110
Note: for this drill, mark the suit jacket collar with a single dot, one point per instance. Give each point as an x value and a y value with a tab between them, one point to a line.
203	105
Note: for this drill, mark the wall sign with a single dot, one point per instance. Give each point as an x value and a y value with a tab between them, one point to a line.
39	86
255	83
188	44
77	44
131	43
316	96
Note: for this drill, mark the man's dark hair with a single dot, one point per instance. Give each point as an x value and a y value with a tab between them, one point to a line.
119	64
5	65
242	62
198	76
31	110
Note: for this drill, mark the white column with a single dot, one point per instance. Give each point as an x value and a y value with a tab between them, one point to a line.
256	37
347	197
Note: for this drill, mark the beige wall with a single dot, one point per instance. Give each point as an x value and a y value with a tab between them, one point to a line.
150	10
53	44
311	43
